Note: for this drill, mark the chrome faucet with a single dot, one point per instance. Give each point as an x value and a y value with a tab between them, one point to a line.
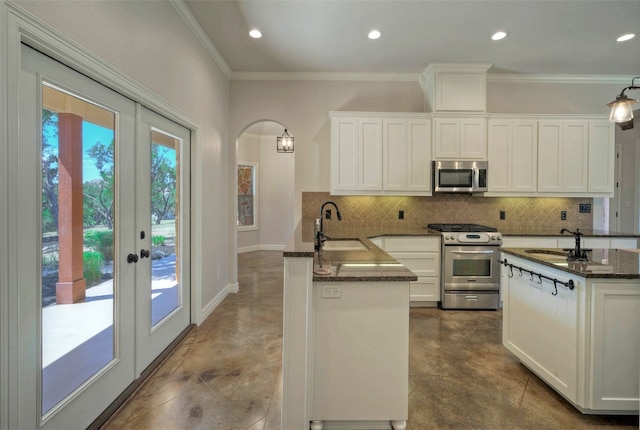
578	253
320	236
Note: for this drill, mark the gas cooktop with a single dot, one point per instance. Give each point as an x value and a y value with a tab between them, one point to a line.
460	227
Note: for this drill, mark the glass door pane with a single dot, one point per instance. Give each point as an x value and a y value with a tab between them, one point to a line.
162	214
165	215
78	199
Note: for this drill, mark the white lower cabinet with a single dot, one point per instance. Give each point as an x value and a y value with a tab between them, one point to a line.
421	255
584	343
360	349
569	242
614	369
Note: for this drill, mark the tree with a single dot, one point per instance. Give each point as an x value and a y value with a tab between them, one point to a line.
163	183
49	170
100	193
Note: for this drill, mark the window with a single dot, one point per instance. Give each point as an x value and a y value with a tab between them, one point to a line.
247	196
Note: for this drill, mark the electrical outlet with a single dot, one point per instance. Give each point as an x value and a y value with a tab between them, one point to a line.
563	215
503	214
400	214
332	291
585	208
327	214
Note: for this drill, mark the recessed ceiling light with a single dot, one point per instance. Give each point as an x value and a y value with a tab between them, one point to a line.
625	37
374	34
255	33
499	35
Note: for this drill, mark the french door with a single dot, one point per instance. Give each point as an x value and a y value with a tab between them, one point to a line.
102	257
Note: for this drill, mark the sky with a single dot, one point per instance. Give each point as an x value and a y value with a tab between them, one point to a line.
92	133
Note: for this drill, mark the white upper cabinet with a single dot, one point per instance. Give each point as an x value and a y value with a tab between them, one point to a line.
601	156
378	154
406	158
463	138
513	155
356	153
563	156
455	87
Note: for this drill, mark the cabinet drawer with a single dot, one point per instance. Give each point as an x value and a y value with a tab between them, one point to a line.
420	263
405	243
530	242
425	289
624	243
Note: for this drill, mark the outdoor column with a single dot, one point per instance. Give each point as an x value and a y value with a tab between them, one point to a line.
71	284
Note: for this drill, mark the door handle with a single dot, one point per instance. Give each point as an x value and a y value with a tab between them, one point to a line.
132	258
144	253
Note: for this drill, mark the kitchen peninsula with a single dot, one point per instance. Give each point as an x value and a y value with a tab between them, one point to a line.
345	337
576	324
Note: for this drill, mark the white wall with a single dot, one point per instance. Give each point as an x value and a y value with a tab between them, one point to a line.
304	106
276	182
149	42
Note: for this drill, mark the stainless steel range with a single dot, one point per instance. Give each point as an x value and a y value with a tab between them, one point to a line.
470	274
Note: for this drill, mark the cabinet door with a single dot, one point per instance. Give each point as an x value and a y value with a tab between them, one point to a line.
513	155
473	138
524	157
394	143
615	348
575	157
344	154
370	154
601	156
549	156
418	167
447	138
499	155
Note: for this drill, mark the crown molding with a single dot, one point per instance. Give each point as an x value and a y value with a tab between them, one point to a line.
557	79
325	76
200	34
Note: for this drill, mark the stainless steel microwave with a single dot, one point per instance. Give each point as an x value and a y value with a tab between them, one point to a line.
464	176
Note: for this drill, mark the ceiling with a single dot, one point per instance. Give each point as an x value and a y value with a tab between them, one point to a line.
554	37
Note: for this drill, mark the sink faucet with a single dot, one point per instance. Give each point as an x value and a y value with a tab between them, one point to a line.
578	254
320	237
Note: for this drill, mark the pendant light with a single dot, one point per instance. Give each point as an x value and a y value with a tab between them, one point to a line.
621	108
284	143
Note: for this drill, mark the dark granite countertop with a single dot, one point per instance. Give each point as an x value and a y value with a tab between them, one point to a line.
543	231
603	263
374	264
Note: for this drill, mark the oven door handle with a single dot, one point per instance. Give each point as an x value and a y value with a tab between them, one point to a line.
473	252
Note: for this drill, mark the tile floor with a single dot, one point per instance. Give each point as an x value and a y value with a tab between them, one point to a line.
227	373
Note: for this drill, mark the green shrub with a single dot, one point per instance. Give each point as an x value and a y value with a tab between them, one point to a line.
101	241
92	261
158	240
50	261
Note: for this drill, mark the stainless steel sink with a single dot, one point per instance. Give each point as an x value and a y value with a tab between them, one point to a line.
344	245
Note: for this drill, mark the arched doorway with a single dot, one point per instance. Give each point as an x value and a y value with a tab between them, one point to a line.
265	188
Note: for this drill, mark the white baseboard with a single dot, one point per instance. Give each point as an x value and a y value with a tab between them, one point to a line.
213	304
252	248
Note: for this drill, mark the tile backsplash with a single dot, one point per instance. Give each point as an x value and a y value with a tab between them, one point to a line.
382	211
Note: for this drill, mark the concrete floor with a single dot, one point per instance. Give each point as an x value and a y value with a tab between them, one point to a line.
227	373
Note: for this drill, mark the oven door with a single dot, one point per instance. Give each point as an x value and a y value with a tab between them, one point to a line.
471	268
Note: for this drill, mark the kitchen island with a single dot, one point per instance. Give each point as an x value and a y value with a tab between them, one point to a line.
576	324
345	338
